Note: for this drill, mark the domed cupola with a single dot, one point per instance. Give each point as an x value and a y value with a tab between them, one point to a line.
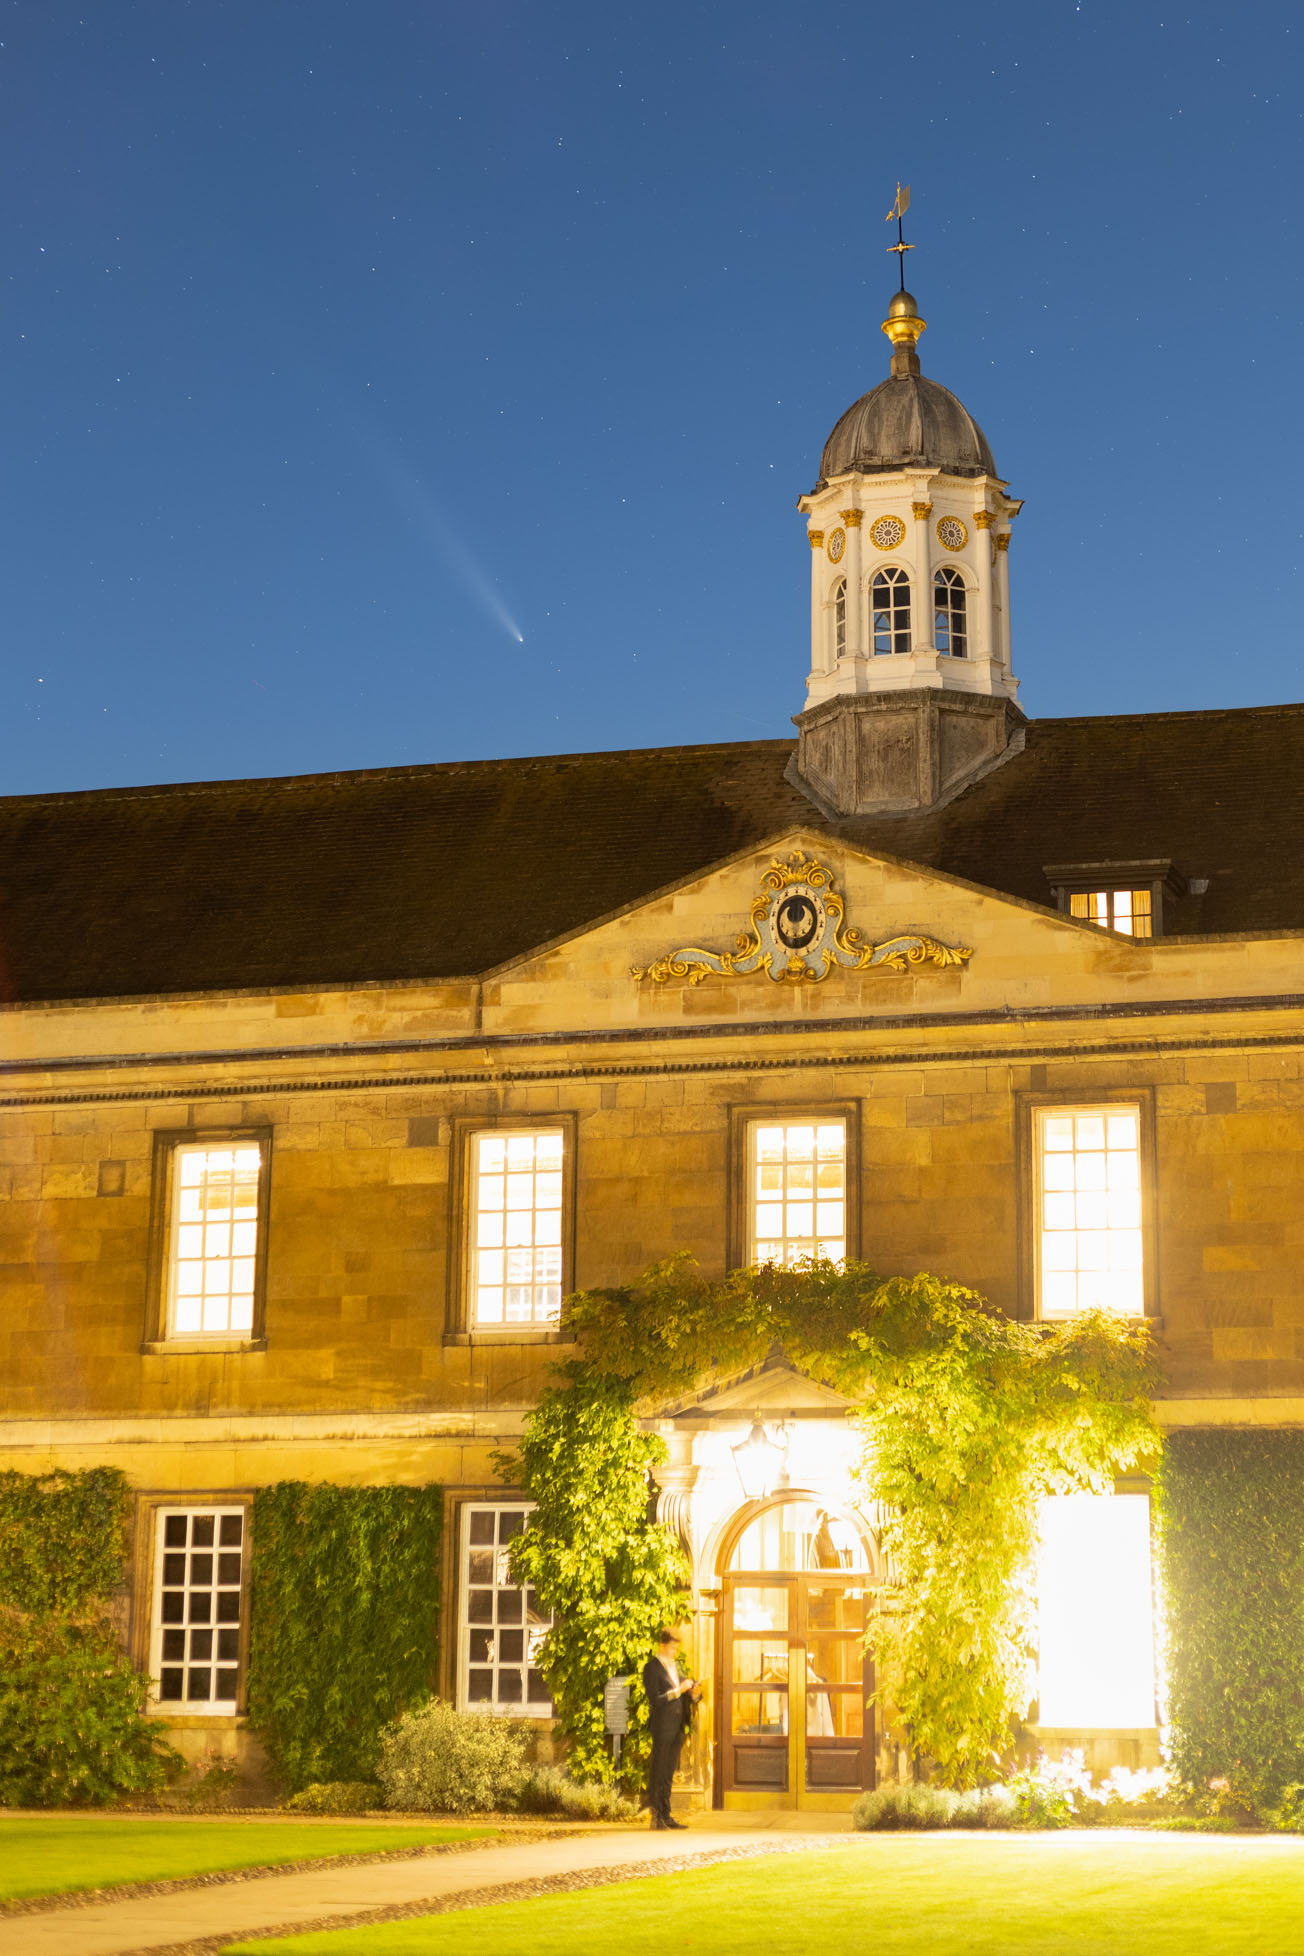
906	422
910	693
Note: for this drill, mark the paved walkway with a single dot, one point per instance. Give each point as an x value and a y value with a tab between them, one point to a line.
247	1908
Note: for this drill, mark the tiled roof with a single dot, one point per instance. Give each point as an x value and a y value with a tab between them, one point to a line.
429	872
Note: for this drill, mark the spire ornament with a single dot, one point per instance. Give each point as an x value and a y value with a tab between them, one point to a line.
903	324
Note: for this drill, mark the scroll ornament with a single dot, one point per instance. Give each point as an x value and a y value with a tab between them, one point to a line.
799	934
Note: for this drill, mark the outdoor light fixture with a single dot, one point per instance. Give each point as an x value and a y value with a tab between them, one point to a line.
760	1462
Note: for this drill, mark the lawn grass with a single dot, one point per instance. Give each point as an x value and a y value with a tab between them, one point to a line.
40	1856
886	1895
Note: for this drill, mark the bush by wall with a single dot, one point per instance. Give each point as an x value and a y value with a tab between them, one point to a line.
1231	1520
72	1729
437	1760
344	1623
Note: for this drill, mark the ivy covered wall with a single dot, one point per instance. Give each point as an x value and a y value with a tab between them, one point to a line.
344	1626
1231	1522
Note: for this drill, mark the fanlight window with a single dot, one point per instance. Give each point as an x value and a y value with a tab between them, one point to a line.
840	618
950	627
799	1535
891	611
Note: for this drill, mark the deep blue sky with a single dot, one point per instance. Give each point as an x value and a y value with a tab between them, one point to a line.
346	339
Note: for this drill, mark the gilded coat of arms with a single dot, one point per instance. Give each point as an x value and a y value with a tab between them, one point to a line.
799	933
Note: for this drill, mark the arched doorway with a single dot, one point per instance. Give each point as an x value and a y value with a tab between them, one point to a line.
794	1722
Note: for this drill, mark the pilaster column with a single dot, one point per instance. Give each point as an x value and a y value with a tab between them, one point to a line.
986	643
853	562
821	654
921	596
1003	587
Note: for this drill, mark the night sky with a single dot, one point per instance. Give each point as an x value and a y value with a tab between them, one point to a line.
388	383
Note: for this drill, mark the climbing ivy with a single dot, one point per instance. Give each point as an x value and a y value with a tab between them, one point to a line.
592	1551
967	1419
1231	1523
344	1630
72	1724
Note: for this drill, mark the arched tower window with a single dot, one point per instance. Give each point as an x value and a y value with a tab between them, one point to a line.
950	627
891	611
840	618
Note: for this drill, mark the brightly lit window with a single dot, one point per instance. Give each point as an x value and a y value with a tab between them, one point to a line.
1089	1210
516	1209
1126	911
502	1625
214	1238
195	1620
797	1185
891	603
840	618
1095	1612
950	626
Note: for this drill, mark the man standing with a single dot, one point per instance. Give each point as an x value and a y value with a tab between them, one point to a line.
670	1705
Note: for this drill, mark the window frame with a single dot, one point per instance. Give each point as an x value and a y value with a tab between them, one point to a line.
461	1328
898	581
1027	1107
159	1336
748	1114
840	620
146	1638
1158	876
954	585
464	1505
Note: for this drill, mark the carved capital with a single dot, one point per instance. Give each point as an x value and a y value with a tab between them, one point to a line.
853	518
984	518
922	511
675	1503
1003	542
816	538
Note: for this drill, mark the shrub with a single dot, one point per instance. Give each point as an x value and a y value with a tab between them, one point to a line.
437	1760
899	1807
71	1724
985	1806
337	1796
213	1782
1053	1793
547	1790
1288	1814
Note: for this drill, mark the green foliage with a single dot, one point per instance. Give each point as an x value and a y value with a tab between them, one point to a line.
438	1760
72	1727
71	1724
1231	1517
337	1796
63	1538
344	1623
897	1809
968	1419
545	1789
609	1574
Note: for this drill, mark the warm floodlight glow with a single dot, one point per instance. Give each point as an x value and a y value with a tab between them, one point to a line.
760	1462
1094	1598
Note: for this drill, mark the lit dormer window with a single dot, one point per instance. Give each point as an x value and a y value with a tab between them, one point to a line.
1128	911
891	595
1125	897
950	628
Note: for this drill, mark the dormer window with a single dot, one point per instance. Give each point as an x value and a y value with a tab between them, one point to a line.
1127	911
950	627
891	595
1125	897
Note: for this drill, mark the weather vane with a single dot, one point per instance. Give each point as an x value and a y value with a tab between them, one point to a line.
898	211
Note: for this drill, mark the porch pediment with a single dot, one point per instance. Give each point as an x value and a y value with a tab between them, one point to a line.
777	1389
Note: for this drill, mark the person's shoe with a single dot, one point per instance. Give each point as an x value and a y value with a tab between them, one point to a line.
678	1826
657	1824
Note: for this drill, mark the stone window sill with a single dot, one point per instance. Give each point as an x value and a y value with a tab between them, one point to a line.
516	1334
183	1347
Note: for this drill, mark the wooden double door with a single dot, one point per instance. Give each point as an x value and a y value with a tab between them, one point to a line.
796	1726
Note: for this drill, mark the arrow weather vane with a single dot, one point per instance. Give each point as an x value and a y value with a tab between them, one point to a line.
898	211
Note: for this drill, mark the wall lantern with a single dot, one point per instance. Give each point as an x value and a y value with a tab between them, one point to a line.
761	1462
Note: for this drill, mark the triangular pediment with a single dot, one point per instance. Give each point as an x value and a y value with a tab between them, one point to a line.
770	1391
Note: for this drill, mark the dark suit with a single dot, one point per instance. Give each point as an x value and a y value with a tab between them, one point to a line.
669	1718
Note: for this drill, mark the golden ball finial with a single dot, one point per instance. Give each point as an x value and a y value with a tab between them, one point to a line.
903	327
